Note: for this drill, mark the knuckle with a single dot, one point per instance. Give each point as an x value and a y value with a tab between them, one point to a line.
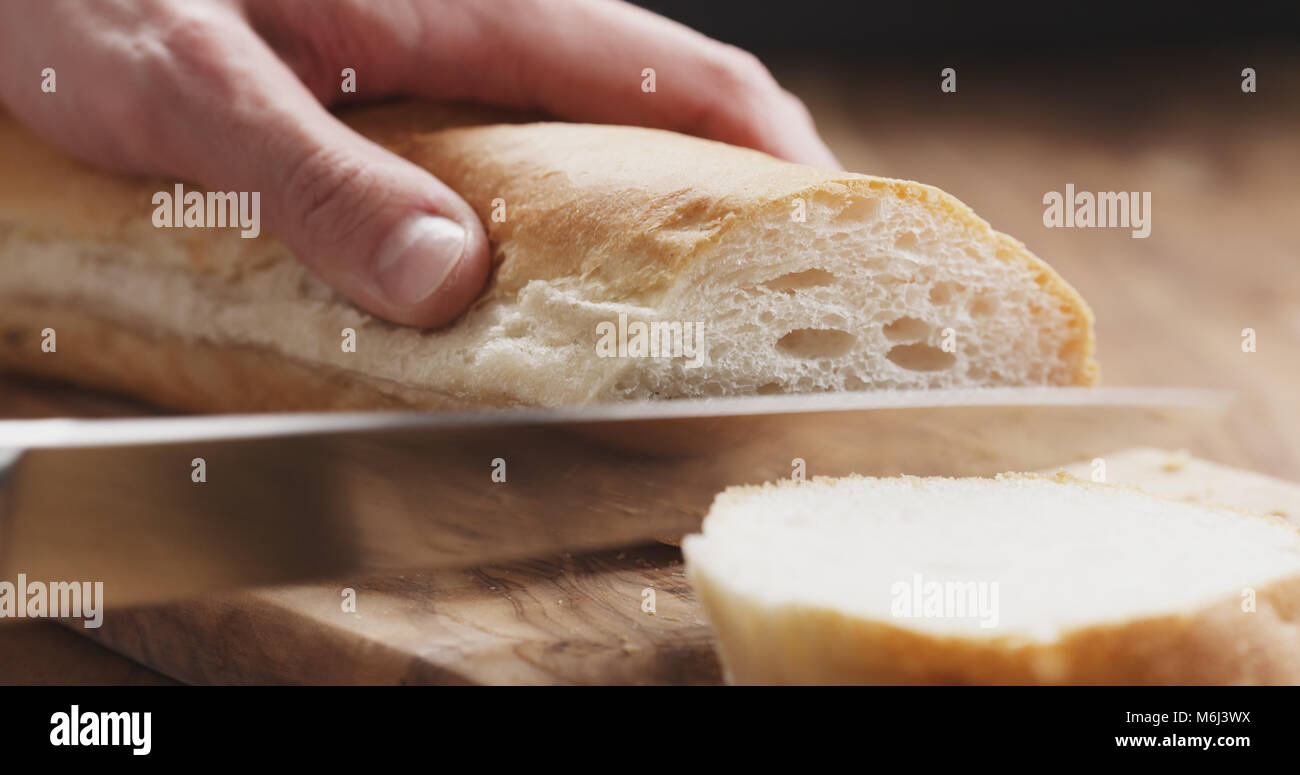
331	193
740	70
200	52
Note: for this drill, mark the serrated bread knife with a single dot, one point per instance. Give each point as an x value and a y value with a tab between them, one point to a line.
160	508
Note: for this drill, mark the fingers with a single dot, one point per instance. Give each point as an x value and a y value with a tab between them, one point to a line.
576	59
211	103
381	230
594	68
187	89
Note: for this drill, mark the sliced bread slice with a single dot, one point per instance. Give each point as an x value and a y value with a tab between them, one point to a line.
1022	579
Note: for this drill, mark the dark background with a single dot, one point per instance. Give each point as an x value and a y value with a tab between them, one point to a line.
873	28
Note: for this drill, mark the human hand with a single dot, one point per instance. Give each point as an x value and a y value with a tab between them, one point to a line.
234	95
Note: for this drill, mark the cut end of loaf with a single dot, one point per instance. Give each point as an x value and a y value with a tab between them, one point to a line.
883	285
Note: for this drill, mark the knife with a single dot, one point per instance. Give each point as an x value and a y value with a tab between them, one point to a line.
167	507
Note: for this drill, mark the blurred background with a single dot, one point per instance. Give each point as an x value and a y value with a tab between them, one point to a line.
1108	96
864	29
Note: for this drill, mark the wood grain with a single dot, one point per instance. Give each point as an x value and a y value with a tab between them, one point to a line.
1222	256
561	620
46	654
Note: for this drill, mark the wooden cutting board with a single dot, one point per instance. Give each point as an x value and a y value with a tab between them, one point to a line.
551	620
556	620
618	617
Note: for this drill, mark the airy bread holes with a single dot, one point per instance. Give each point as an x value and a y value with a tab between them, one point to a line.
984	306
907	241
906	329
860	211
794	281
943	292
921	357
815	343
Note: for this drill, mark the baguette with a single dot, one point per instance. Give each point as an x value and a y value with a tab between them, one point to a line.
881	283
1022	579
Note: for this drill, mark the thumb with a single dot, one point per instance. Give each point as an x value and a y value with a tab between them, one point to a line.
379	229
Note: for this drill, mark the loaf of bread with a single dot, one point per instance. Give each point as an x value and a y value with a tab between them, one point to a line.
1022	579
793	278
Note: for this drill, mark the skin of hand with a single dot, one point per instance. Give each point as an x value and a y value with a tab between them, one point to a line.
234	95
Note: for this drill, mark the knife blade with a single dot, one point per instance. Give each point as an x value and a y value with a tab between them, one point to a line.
300	496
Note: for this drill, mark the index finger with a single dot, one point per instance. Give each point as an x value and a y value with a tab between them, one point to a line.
603	62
